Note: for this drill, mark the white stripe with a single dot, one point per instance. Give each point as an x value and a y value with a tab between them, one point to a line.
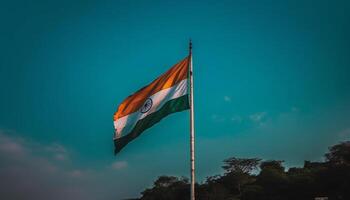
125	124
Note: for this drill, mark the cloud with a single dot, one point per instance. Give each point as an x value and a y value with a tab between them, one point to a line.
60	157
236	119
257	117
16	147
56	148
30	170
220	118
217	118
10	145
117	165
76	173
295	109
58	151
227	98
344	134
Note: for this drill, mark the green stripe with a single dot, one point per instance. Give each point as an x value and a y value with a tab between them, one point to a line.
172	106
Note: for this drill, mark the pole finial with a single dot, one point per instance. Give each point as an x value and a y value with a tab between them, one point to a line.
190	46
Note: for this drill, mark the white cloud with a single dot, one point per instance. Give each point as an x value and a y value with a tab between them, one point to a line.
17	148
227	98
76	173
344	134
57	148
295	109
32	170
236	119
258	117
217	118
23	160
117	165
10	145
60	157
58	151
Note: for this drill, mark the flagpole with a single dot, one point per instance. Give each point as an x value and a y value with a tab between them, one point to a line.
191	125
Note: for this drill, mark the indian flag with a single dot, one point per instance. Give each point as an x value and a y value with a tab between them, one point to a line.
165	95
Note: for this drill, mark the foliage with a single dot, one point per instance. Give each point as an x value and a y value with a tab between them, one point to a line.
251	179
240	165
167	187
339	154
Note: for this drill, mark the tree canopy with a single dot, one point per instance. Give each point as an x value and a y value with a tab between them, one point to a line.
254	179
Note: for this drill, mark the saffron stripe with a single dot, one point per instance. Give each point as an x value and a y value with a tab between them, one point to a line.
170	78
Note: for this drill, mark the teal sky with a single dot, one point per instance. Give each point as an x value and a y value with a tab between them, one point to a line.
271	81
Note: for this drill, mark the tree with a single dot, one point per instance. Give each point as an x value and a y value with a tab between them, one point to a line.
337	173
238	173
302	182
165	181
213	189
339	154
242	165
273	179
167	187
329	179
272	164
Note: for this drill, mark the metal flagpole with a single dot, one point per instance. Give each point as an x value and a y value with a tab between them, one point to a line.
191	125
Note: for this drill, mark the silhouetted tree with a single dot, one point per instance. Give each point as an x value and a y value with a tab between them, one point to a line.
315	179
167	187
273	179
339	154
337	172
241	165
213	189
238	173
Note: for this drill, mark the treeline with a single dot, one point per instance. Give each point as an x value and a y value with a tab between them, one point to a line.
254	179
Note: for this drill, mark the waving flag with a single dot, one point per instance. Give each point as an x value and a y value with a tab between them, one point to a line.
165	95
